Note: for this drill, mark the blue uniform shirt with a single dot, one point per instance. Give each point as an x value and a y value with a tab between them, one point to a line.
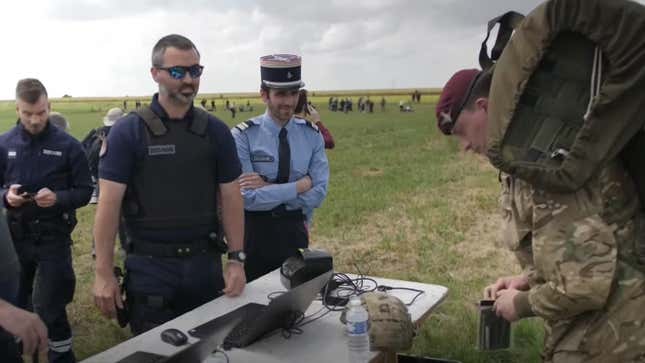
52	159
257	148
126	144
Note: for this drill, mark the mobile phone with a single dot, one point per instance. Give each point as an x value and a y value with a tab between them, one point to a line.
26	192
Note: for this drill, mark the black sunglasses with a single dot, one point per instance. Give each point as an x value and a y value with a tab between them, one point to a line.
179	72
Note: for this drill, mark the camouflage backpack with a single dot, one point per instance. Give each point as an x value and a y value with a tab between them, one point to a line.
567	92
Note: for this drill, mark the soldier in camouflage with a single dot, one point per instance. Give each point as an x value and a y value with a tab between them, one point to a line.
581	253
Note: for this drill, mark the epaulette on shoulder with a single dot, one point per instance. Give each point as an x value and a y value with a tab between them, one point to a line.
242	126
312	125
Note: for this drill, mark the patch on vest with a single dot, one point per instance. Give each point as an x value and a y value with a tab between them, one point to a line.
261	157
52	152
11	154
155	150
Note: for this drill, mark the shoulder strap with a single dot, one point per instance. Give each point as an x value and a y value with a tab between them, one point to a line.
151	119
242	126
200	121
507	23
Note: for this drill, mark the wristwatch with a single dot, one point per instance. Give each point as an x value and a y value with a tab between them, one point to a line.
238	256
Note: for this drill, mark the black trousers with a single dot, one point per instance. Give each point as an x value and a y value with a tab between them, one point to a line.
47	284
270	238
9	351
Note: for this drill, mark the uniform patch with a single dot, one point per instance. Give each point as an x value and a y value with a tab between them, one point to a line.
155	150
52	152
11	154
261	157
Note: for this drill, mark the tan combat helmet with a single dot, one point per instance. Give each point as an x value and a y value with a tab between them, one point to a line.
390	324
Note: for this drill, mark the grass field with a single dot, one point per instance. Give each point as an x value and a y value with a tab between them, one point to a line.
403	203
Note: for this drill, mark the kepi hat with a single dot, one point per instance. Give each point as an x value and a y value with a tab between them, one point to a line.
281	71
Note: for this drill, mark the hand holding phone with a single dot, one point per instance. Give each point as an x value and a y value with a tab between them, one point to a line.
26	192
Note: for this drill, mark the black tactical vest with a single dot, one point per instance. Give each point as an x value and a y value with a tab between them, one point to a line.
174	184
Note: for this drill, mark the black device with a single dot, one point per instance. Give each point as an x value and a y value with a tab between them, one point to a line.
256	320
122	314
174	336
304	266
27	191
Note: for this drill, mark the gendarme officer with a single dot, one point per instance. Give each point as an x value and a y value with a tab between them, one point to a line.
45	178
166	168
285	169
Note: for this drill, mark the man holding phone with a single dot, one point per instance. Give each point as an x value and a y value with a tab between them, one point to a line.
44	177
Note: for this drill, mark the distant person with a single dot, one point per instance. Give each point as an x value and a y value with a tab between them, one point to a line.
57	119
167	170
232	109
203	103
213	108
285	169
382	104
125	105
42	191
93	143
306	111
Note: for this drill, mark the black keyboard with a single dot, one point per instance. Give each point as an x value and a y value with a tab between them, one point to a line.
246	312
237	336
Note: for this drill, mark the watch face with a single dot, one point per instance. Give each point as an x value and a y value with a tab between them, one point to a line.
238	255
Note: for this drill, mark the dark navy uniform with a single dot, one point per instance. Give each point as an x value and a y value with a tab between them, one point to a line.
275	215
171	168
42	236
9	277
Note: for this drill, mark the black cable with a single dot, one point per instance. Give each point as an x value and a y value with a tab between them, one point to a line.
385	288
291	324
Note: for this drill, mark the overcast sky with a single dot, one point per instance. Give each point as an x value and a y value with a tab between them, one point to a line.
102	47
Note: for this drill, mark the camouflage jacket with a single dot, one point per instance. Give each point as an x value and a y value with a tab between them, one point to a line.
584	255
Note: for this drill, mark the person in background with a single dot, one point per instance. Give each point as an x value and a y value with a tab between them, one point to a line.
305	110
44	177
57	119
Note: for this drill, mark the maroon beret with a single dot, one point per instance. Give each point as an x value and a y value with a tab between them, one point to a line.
453	96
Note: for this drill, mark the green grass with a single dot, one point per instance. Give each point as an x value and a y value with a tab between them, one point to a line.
403	203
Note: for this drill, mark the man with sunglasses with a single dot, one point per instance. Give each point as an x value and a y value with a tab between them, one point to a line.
285	169
577	250
165	169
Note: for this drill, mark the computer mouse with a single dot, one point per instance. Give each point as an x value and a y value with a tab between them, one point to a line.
174	336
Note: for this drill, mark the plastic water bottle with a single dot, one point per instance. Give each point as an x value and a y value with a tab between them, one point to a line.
358	340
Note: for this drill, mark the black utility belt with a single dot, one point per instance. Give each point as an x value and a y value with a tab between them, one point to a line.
172	249
21	228
278	212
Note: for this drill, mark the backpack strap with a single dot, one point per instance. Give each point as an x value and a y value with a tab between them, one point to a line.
507	23
242	126
152	120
